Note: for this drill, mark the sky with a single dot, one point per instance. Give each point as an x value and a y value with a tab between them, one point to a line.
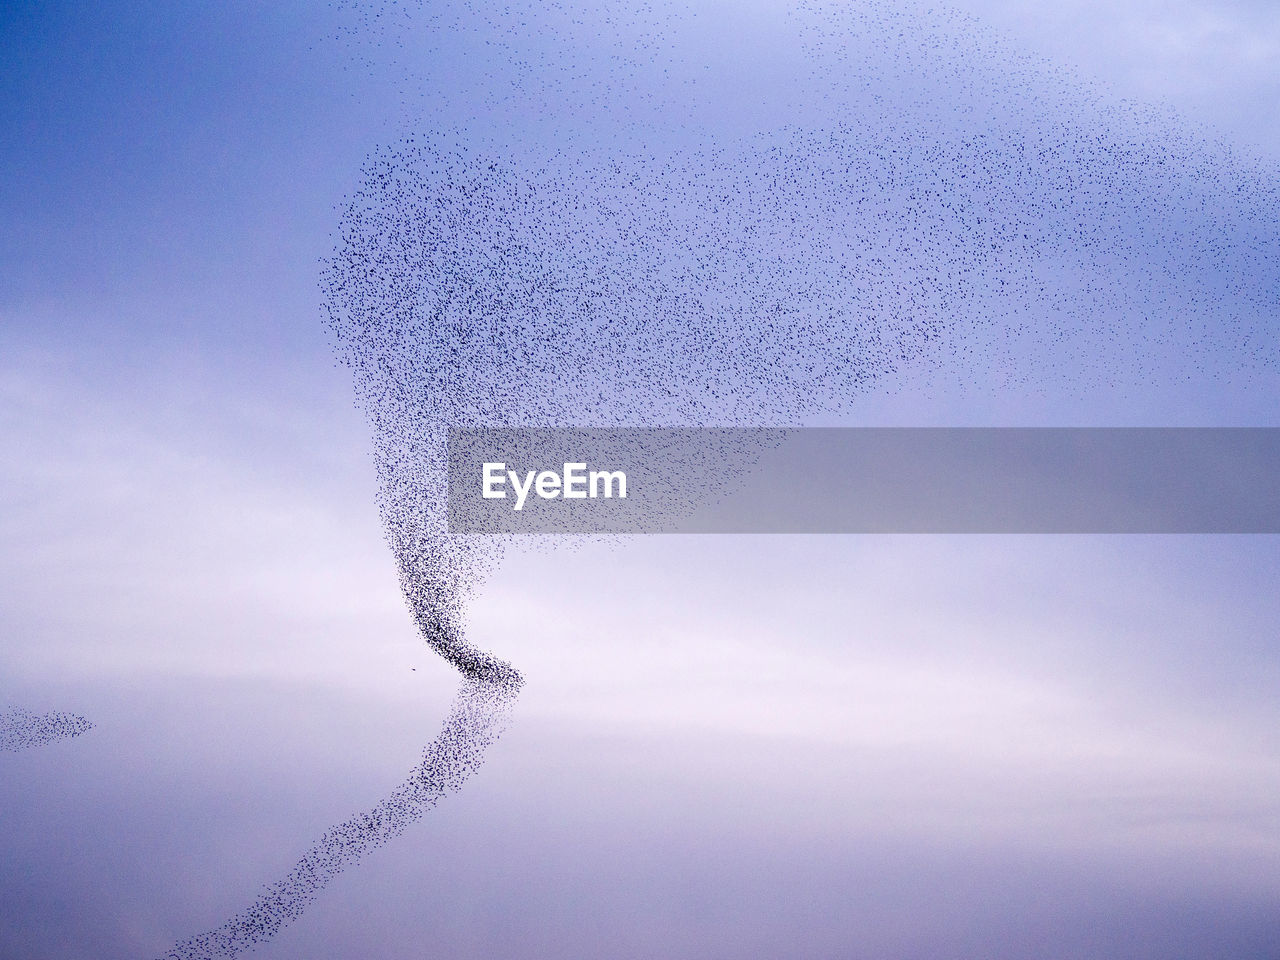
726	746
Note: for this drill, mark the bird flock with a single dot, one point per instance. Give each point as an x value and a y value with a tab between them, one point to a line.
21	729
765	278
473	723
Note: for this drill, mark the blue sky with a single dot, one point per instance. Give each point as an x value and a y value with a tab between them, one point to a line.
890	746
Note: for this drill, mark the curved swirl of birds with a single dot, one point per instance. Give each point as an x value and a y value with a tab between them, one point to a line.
760	281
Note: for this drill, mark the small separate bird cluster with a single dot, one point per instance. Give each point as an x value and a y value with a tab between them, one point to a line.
22	729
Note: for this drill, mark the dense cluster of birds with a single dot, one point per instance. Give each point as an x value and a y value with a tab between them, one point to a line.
21	729
765	283
936	215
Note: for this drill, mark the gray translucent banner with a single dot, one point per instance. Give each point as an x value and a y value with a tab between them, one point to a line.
865	480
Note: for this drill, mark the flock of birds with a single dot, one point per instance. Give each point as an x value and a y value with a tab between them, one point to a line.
766	279
760	281
767	282
21	729
764	283
475	721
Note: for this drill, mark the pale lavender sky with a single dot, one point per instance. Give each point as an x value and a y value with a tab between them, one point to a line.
727	747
